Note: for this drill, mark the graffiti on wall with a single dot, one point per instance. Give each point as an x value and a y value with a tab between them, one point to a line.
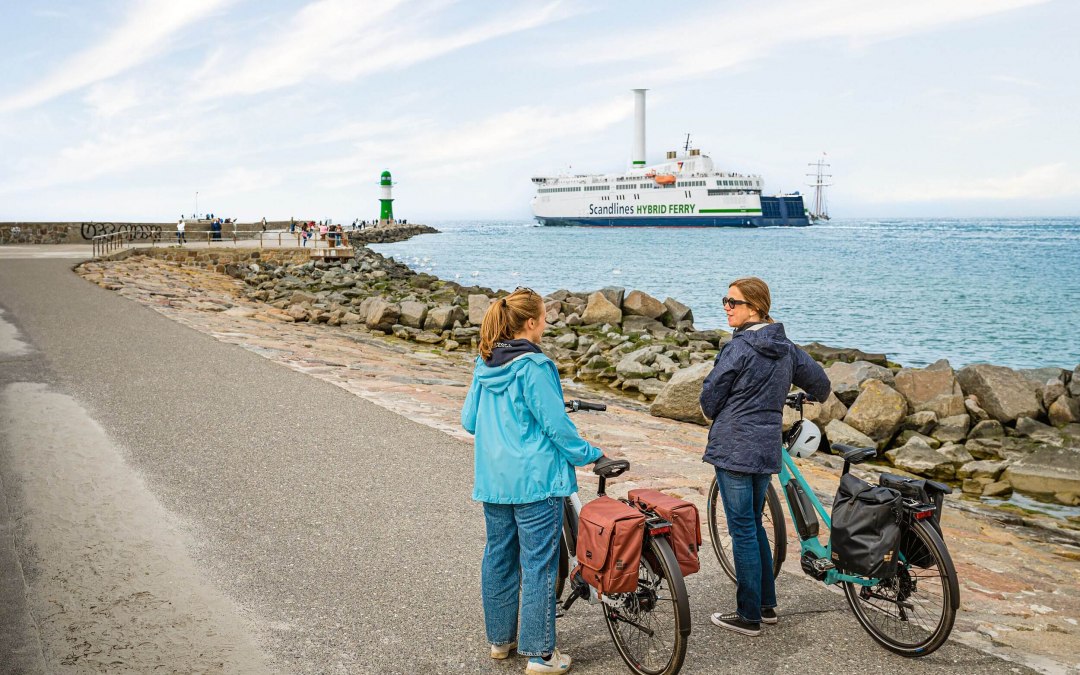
137	230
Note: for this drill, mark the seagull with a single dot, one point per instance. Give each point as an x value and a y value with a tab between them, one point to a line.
476	273
616	271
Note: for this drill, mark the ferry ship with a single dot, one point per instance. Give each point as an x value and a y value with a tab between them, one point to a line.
685	190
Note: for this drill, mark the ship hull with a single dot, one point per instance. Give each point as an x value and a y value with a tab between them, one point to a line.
672	221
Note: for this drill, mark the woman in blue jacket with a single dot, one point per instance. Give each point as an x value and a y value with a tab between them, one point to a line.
526	451
744	397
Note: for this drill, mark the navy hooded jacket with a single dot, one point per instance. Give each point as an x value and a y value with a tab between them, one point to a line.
744	397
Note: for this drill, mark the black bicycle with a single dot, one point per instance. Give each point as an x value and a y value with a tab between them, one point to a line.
650	625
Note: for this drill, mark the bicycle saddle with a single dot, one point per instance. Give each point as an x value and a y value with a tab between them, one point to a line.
609	468
850	453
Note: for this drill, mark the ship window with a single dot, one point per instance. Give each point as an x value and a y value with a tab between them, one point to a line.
716	193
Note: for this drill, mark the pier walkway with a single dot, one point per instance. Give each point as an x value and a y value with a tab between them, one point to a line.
163	505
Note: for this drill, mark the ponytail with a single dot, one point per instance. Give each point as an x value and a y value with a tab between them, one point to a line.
506	317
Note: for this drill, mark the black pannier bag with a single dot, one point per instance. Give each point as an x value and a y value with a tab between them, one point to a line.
865	528
925	492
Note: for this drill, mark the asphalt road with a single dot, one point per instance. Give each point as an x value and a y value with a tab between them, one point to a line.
348	541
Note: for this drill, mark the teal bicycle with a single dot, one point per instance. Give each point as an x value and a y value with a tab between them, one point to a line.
910	613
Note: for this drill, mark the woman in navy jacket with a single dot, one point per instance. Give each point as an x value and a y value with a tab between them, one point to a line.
744	397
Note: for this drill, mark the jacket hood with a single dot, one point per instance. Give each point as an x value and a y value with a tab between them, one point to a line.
506	351
767	339
497	378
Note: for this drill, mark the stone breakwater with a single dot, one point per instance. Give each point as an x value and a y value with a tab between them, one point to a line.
988	429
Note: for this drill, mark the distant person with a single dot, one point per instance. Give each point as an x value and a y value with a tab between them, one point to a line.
181	237
264	224
323	229
292	224
744	397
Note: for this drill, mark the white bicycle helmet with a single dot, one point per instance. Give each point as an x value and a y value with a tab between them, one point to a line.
803	439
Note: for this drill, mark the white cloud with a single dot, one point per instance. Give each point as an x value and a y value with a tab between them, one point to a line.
108	99
144	34
481	145
1047	181
109	153
728	38
341	40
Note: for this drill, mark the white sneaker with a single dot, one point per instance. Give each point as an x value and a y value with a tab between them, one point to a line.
502	651
558	663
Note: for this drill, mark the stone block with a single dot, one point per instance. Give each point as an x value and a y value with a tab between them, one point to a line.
877	412
680	398
1004	393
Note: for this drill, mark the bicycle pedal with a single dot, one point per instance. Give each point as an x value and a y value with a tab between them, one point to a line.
823	565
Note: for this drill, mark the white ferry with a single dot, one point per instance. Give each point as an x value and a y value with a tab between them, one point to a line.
685	190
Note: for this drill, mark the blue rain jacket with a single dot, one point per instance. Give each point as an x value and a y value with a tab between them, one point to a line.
526	445
744	397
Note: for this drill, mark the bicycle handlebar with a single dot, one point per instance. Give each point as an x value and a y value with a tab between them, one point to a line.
576	405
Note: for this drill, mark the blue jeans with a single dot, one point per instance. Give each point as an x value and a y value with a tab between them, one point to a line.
743	495
521	558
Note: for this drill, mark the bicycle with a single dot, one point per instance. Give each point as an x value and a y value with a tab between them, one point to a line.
911	613
650	625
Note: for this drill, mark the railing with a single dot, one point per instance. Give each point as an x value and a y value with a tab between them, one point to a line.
108	243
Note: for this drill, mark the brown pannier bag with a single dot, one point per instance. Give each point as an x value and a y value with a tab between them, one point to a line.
609	540
685	525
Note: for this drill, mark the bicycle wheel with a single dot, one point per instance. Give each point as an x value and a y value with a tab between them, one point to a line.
772	518
650	626
912	613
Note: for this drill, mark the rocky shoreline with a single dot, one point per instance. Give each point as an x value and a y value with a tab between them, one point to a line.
987	429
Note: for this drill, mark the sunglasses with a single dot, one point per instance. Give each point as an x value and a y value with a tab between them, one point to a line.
733	303
525	289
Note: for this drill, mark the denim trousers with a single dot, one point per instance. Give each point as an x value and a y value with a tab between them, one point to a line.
743	495
521	562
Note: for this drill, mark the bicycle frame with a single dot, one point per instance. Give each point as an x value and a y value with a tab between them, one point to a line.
788	472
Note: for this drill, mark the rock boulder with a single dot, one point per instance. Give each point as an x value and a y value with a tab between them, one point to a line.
601	310
934	388
877	412
478	307
1004	393
838	432
846	378
637	303
679	400
1046	472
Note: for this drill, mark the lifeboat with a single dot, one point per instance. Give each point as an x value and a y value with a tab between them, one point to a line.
665	179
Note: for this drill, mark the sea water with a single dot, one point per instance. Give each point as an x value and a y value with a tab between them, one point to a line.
997	291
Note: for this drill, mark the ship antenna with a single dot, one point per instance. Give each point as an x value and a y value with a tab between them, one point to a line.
821	209
687	146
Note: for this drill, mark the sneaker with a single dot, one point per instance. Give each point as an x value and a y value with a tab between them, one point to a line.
736	623
502	651
768	615
558	663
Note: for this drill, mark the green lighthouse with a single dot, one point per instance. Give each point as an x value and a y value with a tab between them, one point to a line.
386	211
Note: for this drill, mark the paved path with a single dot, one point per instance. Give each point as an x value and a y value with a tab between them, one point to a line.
349	547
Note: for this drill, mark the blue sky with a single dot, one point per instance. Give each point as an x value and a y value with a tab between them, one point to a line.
122	110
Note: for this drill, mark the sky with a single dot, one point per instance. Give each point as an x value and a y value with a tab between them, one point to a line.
124	110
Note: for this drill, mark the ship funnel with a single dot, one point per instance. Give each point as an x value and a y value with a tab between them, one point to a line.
638	158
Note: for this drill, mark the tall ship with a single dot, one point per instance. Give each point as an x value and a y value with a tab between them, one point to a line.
685	190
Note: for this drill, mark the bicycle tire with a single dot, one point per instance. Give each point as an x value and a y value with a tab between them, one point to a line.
661	593
772	518
939	593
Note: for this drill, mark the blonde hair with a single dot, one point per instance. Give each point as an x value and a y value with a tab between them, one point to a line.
756	293
506	317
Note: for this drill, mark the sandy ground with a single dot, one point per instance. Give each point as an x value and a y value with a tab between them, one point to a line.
1020	587
112	587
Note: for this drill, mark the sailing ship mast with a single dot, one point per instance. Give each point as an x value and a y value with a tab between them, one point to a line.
820	210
